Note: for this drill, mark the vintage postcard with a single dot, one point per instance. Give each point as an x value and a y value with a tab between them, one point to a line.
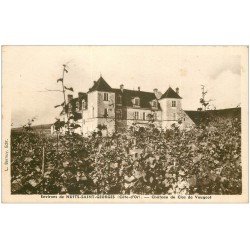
125	124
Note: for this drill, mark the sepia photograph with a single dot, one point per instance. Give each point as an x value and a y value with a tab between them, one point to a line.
125	124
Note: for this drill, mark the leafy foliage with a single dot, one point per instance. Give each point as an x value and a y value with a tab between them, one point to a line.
204	160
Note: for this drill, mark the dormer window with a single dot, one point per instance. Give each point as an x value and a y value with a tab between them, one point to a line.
154	104
173	103
106	97
83	104
137	101
119	99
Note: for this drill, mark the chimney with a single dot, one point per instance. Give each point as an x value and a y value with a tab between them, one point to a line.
177	90
156	93
139	88
121	87
70	98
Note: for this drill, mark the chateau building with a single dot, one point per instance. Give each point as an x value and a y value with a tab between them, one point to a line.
120	108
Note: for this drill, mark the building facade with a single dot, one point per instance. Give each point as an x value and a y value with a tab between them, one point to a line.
117	109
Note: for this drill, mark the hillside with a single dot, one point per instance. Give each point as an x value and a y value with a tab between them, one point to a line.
35	127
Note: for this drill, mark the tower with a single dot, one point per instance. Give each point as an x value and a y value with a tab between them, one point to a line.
171	107
101	106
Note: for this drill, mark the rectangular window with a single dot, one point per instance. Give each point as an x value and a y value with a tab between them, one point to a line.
77	106
144	116
105	112
83	105
119	114
154	104
106	96
136	115
119	99
137	101
70	108
173	103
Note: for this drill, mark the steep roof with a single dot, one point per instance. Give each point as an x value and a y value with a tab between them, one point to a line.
196	116
101	85
128	95
199	117
170	93
82	96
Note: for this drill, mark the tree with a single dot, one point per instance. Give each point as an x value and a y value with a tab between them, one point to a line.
28	126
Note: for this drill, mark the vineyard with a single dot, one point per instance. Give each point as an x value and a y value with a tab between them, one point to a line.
203	160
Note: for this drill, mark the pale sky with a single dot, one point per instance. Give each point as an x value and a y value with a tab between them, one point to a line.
30	69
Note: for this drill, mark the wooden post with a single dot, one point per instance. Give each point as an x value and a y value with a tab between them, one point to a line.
43	170
57	139
64	97
43	163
